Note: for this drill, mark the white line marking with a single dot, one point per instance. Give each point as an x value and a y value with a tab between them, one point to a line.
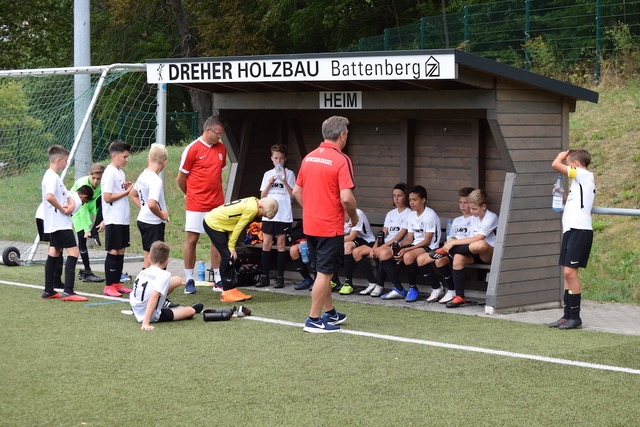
465	348
408	340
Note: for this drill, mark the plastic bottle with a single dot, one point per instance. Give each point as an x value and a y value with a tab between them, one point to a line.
279	171
201	271
449	230
558	193
395	248
304	251
380	238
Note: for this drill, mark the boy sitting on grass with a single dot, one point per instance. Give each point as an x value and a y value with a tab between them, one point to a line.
151	288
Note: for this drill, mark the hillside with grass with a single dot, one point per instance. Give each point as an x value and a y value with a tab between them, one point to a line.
609	130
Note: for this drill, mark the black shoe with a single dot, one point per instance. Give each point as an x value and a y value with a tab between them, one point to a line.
279	282
92	278
263	281
169	304
571	324
561	321
80	274
96	237
197	307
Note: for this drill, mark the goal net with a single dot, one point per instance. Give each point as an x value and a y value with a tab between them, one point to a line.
82	109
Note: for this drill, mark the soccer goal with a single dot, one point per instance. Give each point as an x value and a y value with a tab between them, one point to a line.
80	108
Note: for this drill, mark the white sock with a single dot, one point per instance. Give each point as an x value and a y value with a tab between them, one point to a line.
188	273
216	275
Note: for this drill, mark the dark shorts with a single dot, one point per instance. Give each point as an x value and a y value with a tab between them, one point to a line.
359	241
116	236
150	233
326	253
166	315
44	237
62	239
575	248
275	228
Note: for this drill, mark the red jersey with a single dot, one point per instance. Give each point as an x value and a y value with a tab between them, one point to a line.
323	173
203	163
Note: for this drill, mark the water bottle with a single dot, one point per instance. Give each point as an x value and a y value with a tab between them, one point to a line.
558	192
279	171
201	271
395	248
449	230
380	238
304	251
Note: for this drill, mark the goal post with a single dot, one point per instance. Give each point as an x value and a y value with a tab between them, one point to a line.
39	108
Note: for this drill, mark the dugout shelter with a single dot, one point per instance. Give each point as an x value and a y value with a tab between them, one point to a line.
444	119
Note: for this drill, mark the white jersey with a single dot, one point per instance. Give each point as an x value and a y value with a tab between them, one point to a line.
486	226
395	221
117	212
53	219
577	210
280	193
428	222
366	233
150	187
461	227
150	279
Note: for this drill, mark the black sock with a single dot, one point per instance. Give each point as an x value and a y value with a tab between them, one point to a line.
57	273
447	276
348	267
110	269
266	262
301	268
429	276
70	274
458	281
332	312
120	260
412	273
49	272
282	262
574	306
365	268
389	266
197	307
566	305
85	261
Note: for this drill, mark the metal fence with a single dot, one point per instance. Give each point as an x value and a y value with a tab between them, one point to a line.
545	36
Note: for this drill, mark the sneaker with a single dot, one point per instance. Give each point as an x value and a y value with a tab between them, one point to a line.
197	307
90	277
457	301
395	294
217	287
263	281
51	295
73	297
435	294
368	289
122	289
377	291
334	320
170	304
279	282
111	291
190	287
305	284
319	326
448	296
125	278
346	289
234	295
335	286
412	294
571	324
557	323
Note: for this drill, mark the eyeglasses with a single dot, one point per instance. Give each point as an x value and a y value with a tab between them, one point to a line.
217	133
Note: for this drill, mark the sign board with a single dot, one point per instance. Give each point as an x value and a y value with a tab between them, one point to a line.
307	69
341	100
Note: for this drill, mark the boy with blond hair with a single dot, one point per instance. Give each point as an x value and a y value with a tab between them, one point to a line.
148	195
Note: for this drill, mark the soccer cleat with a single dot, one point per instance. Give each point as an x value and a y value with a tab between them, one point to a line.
557	323
73	297
170	304
448	296
125	278
122	289
571	324
334	320
80	274
234	295
319	326
197	307
346	289
263	281
91	278
190	287
368	289
435	294
279	282
412	294
51	295
305	284
457	301
335	286
377	291
438	253
111	291
395	294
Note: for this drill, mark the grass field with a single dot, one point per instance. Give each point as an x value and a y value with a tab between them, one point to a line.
73	364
